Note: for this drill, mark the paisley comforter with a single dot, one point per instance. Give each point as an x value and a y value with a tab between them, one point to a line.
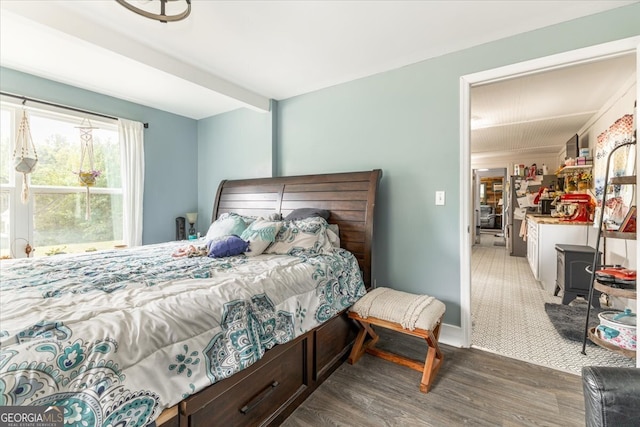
115	337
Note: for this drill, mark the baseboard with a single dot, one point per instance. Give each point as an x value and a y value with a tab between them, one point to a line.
451	335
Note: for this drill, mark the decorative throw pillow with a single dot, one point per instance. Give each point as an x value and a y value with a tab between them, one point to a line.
226	225
303	213
302	236
226	246
275	216
260	234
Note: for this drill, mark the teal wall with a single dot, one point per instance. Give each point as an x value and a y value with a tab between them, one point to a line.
406	122
233	145
170	148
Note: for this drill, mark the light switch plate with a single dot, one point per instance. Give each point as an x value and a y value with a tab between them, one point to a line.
440	198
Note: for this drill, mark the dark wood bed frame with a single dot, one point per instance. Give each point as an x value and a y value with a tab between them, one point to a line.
267	392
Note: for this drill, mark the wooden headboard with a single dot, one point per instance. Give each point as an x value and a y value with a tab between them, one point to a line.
350	197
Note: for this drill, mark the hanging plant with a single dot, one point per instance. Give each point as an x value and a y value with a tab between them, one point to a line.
87	176
27	159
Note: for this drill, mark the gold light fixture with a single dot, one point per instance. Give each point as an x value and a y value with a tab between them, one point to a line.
150	6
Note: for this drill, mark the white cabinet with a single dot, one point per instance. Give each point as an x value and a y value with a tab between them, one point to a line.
542	239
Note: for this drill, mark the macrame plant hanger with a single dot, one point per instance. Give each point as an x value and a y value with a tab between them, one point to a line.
27	159
87	177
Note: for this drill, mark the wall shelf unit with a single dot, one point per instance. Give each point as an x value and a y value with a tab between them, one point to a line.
570	170
570	178
603	235
614	292
619	235
623	180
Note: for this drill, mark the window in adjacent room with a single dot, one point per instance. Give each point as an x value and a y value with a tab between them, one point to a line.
53	220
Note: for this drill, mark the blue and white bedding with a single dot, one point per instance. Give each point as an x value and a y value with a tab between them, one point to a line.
116	337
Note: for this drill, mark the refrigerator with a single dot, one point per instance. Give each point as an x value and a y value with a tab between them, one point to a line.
515	244
518	186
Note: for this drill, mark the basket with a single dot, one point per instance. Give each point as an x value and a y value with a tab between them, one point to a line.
618	328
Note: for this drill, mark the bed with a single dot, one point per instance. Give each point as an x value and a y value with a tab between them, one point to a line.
239	340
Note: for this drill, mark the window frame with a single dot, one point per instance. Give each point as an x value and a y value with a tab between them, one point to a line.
21	231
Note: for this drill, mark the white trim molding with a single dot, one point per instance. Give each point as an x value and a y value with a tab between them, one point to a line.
635	118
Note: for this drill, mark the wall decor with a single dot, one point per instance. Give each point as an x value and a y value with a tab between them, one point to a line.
622	162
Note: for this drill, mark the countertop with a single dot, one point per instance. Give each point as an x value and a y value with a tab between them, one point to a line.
548	219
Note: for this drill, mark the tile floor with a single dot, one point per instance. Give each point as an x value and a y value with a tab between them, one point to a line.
507	312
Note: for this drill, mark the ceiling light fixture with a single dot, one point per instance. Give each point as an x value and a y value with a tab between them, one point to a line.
163	16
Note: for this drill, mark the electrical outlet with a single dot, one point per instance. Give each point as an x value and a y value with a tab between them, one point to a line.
440	198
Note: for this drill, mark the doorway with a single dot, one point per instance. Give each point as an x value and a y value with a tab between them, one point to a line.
488	204
468	194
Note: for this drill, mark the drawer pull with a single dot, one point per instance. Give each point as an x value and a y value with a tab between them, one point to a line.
259	398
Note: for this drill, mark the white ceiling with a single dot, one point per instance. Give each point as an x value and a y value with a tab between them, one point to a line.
233	54
540	112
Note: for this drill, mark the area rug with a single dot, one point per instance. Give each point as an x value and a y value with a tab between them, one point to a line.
569	319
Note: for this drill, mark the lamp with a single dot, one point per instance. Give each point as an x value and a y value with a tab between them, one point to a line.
162	16
192	217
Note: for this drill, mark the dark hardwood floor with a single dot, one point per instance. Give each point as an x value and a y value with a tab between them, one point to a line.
473	387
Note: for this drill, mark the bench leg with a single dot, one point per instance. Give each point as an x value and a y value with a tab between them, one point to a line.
361	345
431	364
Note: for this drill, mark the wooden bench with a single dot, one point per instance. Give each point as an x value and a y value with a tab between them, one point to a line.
417	315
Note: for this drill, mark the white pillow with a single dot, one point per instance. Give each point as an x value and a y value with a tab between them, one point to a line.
260	234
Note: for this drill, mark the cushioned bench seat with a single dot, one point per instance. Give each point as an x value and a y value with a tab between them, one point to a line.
417	315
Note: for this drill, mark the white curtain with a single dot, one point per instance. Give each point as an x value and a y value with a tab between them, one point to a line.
132	166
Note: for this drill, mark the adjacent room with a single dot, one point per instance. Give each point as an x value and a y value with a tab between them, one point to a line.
319	213
514	124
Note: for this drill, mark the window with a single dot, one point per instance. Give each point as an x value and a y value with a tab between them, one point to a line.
55	218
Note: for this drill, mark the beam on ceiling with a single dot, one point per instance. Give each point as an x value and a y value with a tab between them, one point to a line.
76	26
